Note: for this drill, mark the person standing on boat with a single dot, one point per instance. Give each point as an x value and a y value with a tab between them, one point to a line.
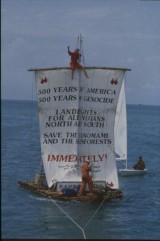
75	58
140	165
86	178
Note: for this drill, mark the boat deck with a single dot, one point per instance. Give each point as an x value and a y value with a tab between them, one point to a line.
97	196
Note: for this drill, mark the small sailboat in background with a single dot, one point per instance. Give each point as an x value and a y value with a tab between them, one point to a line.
135	171
120	133
77	123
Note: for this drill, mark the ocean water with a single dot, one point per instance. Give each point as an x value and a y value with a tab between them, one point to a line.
26	215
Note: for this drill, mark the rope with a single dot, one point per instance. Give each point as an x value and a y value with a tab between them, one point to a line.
82	229
94	213
31	128
84	236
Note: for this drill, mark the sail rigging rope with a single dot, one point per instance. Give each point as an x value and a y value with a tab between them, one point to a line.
95	213
82	229
31	129
69	217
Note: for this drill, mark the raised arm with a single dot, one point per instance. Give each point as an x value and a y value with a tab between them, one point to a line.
69	52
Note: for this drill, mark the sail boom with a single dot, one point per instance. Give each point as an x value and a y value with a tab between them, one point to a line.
94	67
121	159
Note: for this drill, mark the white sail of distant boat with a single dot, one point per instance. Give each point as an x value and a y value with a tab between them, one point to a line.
120	132
120	128
77	119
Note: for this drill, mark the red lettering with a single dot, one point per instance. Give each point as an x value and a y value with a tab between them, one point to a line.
74	158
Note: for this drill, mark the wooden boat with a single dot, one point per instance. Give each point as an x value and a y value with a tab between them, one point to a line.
98	194
77	119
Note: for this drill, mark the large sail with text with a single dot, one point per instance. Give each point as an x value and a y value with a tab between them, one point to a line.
77	119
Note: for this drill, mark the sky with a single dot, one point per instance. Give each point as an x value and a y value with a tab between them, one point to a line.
116	33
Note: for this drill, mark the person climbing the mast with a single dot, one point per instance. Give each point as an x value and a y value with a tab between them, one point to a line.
75	58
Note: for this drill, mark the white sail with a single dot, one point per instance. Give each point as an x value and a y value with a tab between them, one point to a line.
120	129
77	120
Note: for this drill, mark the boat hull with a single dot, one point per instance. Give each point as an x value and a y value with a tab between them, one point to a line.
131	172
97	196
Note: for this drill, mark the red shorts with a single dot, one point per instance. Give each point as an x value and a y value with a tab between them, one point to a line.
74	66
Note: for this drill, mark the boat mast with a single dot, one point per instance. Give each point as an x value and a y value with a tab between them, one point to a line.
81	59
126	126
80	46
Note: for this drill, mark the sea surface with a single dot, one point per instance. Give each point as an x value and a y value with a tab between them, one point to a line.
29	216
